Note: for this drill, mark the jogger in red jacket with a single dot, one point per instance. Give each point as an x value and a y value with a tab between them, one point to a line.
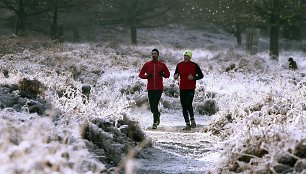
154	71
188	72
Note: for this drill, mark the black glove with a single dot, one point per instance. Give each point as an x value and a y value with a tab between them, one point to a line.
162	74
149	76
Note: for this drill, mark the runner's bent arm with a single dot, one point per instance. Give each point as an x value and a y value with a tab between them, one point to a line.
199	74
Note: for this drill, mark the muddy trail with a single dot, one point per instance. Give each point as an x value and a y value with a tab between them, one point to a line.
177	151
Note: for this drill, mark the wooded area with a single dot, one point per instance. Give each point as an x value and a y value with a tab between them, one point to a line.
57	18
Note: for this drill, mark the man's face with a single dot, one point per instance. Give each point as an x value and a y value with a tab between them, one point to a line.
154	55
186	58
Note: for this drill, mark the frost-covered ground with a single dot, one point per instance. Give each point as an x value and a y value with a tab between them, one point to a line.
261	117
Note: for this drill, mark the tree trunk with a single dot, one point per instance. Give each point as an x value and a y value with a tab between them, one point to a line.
274	29
252	40
238	39
238	34
274	34
22	26
54	26
134	34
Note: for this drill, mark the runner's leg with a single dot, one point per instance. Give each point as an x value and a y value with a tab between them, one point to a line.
183	99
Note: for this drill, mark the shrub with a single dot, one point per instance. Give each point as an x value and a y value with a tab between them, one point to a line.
30	88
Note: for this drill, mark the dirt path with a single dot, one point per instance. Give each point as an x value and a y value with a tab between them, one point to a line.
177	151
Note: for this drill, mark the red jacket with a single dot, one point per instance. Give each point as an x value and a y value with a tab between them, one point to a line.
186	68
154	71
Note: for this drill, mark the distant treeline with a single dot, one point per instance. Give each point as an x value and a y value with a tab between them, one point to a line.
71	19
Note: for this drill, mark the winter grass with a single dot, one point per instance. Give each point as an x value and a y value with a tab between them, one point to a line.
265	100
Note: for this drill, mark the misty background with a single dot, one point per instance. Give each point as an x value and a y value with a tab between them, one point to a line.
111	20
250	107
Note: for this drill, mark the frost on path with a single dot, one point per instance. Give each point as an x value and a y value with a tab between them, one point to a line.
177	151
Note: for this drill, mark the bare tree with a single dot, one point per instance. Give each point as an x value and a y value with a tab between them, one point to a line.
135	14
277	13
239	14
64	7
55	7
233	15
23	9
